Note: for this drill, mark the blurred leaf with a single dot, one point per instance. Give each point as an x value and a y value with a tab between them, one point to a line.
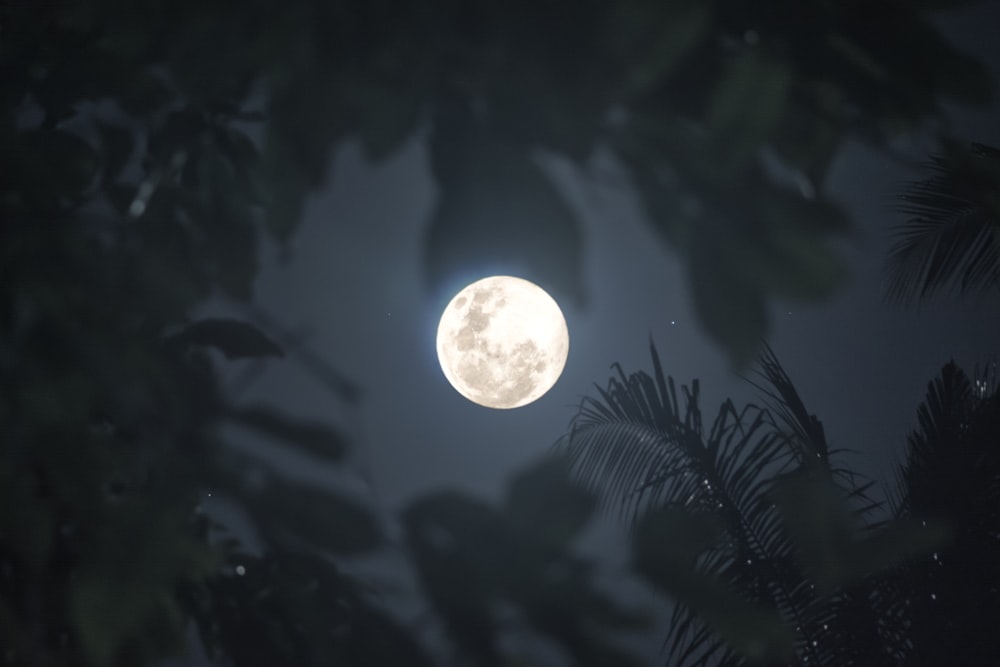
116	148
122	590
898	540
546	507
729	304
107	617
320	517
307	118
120	197
663	32
460	550
747	105
315	438
828	537
12	634
952	237
146	93
802	266
857	56
235	339
666	548
242	154
450	528
497	213
287	189
817	518
54	167
386	117
808	142
668	542
224	211
26	521
375	639
176	133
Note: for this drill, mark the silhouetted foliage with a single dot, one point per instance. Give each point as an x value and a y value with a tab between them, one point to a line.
754	531
952	475
950	240
471	558
702	106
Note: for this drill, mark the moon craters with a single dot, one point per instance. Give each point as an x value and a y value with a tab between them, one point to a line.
502	342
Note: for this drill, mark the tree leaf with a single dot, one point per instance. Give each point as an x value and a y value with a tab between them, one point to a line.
546	507
313	437
125	593
801	265
668	542
320	517
747	105
664	32
386	116
53	167
25	520
728	302
497	213
116	148
951	238
666	548
460	549
235	339
829	540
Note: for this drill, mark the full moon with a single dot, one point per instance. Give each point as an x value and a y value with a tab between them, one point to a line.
502	342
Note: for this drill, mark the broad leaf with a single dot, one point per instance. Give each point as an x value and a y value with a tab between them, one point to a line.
667	546
497	213
314	438
310	515
545	507
748	105
235	339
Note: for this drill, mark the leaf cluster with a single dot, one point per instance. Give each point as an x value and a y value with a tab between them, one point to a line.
491	573
723	117
949	241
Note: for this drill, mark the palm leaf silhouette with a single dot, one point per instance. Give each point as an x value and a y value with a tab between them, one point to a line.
950	599
642	444
950	239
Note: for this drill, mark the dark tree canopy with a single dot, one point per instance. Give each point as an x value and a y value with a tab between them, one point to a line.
696	101
755	526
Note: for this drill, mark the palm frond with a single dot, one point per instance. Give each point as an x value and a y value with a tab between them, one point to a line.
941	418
936	604
805	432
784	401
951	238
641	443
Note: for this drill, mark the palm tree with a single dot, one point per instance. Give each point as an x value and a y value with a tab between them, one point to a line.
952	474
950	239
800	535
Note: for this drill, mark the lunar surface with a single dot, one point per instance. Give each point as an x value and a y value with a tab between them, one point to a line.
502	342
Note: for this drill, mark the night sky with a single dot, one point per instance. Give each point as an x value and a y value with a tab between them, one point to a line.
352	286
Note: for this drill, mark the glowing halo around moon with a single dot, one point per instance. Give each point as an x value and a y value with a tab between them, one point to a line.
502	342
